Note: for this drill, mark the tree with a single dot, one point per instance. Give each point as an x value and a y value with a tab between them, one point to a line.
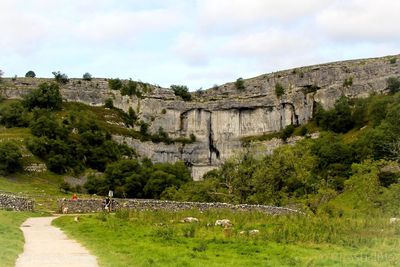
10	158
1	74
115	84
182	91
239	84
279	90
60	77
87	76
393	84
14	115
339	119
108	103
46	96
30	74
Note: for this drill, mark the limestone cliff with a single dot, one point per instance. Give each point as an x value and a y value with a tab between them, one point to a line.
220	116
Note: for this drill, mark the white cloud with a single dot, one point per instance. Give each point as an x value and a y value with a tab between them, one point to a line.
123	26
235	15
192	49
361	20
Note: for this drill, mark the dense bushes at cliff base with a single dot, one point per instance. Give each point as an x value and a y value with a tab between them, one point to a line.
132	178
74	143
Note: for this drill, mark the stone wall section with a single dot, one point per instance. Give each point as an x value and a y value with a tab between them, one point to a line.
95	205
16	203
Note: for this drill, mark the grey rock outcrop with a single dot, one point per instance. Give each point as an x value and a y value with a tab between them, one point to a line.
221	116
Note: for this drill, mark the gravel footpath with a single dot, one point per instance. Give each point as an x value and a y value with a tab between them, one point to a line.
46	245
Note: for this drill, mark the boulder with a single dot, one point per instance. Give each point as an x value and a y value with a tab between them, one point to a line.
223	223
254	232
190	220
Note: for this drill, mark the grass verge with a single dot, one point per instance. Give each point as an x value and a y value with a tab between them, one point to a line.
11	237
158	238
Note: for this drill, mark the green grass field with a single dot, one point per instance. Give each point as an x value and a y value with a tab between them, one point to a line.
160	239
11	237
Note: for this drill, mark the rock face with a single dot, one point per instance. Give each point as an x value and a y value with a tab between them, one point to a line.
221	116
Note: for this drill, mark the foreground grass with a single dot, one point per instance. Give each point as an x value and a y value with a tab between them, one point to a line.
11	237
160	239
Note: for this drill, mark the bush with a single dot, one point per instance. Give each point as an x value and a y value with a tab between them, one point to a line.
30	74
239	84
182	91
144	127
348	82
14	115
393	60
87	76
303	130
46	96
60	77
10	158
192	138
131	88
287	132
279	90
115	84
108	103
339	119
393	84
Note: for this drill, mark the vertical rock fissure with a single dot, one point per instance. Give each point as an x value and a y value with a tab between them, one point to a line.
212	148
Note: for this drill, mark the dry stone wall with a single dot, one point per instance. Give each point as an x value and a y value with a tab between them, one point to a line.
95	205
221	116
16	203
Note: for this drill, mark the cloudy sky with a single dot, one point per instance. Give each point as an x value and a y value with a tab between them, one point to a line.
198	43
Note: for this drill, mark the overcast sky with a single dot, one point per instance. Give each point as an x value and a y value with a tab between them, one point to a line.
198	43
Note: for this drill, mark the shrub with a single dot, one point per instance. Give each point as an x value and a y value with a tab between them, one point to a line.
239	84
10	158
348	82
46	96
392	60
279	90
144	127
30	74
87	76
60	77
182	91
14	115
393	84
303	130
115	84
131	88
339	119
163	111
108	103
287	132
192	138
65	187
